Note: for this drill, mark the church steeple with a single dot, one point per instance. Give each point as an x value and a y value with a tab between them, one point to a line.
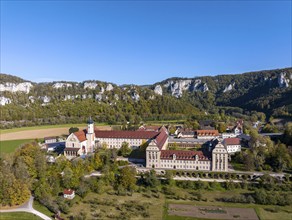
90	125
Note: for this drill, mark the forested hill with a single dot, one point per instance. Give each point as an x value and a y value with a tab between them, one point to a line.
175	98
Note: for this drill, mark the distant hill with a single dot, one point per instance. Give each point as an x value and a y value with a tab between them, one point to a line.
176	98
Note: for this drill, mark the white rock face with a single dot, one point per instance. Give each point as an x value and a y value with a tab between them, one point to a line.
158	90
196	85
116	96
84	96
67	97
151	97
98	97
45	99
101	90
109	87
135	96
61	85
90	85
229	87
4	100
205	87
14	87
177	87
31	99
283	81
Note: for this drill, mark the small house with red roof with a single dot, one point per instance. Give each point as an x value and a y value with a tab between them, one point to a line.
69	193
232	145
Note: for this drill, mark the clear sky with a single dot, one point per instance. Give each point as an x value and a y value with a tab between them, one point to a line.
142	42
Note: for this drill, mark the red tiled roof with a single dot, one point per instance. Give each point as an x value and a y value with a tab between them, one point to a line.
232	141
68	191
182	154
126	134
207	132
149	128
161	138
81	135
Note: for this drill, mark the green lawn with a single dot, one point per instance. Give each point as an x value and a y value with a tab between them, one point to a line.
10	146
39	207
18	216
4	131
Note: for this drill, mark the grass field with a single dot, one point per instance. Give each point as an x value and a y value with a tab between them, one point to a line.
10	146
37	206
106	206
263	211
18	216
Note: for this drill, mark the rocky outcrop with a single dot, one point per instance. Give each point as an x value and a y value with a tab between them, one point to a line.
31	99
158	90
135	96
45	99
89	85
98	97
229	87
116	96
283	80
4	100
61	85
109	87
177	87
16	87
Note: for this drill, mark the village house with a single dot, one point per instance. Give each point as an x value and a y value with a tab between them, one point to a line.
69	193
232	145
49	140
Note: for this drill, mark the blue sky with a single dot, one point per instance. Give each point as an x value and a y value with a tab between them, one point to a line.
142	42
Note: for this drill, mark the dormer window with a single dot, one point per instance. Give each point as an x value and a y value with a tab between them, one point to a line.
173	156
197	157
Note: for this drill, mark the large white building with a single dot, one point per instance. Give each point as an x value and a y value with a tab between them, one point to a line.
216	160
157	156
84	141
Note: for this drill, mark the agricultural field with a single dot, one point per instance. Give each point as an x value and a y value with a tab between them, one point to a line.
212	212
10	146
18	216
42	131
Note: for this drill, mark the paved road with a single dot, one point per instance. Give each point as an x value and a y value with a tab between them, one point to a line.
27	207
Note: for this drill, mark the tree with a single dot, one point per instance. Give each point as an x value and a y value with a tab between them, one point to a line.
169	177
73	129
125	150
127	178
288	134
151	179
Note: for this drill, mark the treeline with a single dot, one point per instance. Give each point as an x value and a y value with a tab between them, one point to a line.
120	112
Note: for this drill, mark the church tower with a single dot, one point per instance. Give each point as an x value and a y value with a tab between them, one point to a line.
90	136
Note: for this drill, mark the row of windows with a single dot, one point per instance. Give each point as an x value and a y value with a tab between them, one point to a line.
185	167
181	161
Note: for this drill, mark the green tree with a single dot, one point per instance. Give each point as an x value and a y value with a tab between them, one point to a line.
127	178
125	150
73	129
151	180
